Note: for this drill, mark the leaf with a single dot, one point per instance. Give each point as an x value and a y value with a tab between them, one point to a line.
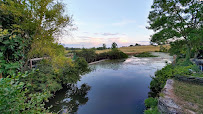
6	42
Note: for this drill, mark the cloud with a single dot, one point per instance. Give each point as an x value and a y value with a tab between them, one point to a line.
107	34
110	34
124	22
89	41
84	37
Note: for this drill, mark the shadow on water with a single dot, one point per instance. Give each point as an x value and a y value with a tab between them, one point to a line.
69	102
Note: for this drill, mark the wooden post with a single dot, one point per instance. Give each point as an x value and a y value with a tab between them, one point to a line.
30	63
174	59
1	75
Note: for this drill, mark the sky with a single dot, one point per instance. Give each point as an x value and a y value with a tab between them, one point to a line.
107	21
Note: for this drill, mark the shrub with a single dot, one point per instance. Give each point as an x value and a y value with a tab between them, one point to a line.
15	97
151	102
88	54
160	78
117	54
152	111
46	78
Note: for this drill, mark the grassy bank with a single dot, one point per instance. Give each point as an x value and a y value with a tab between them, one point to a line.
190	96
184	90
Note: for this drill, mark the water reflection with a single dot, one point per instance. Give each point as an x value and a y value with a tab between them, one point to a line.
69	102
117	87
109	64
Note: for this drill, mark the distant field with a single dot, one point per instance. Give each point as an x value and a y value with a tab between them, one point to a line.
102	51
136	49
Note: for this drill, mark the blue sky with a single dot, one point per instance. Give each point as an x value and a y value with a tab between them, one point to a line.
107	21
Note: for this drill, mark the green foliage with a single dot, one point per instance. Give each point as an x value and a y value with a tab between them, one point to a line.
117	54
182	68
151	102
152	111
163	49
15	97
151	105
161	76
91	56
71	74
88	54
43	79
12	52
178	48
30	29
35	25
104	46
179	20
47	79
144	54
114	45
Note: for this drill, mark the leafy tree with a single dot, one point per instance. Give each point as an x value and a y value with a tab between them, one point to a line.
114	45
29	29
177	20
104	46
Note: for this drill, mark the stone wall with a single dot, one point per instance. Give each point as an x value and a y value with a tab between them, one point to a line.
166	104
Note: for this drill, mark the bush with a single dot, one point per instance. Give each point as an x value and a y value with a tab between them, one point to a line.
117	54
169	71
152	111
90	55
161	76
151	102
46	78
15	97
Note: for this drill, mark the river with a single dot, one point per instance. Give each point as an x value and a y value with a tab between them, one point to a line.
112	87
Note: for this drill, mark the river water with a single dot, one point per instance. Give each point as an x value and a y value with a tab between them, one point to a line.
112	87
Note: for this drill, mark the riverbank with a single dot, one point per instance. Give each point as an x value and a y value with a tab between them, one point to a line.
168	91
181	97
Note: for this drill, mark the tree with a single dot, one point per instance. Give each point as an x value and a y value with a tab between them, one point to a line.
114	45
177	20
104	46
28	29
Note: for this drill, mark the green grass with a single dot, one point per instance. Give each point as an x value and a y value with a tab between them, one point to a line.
144	54
191	93
199	74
